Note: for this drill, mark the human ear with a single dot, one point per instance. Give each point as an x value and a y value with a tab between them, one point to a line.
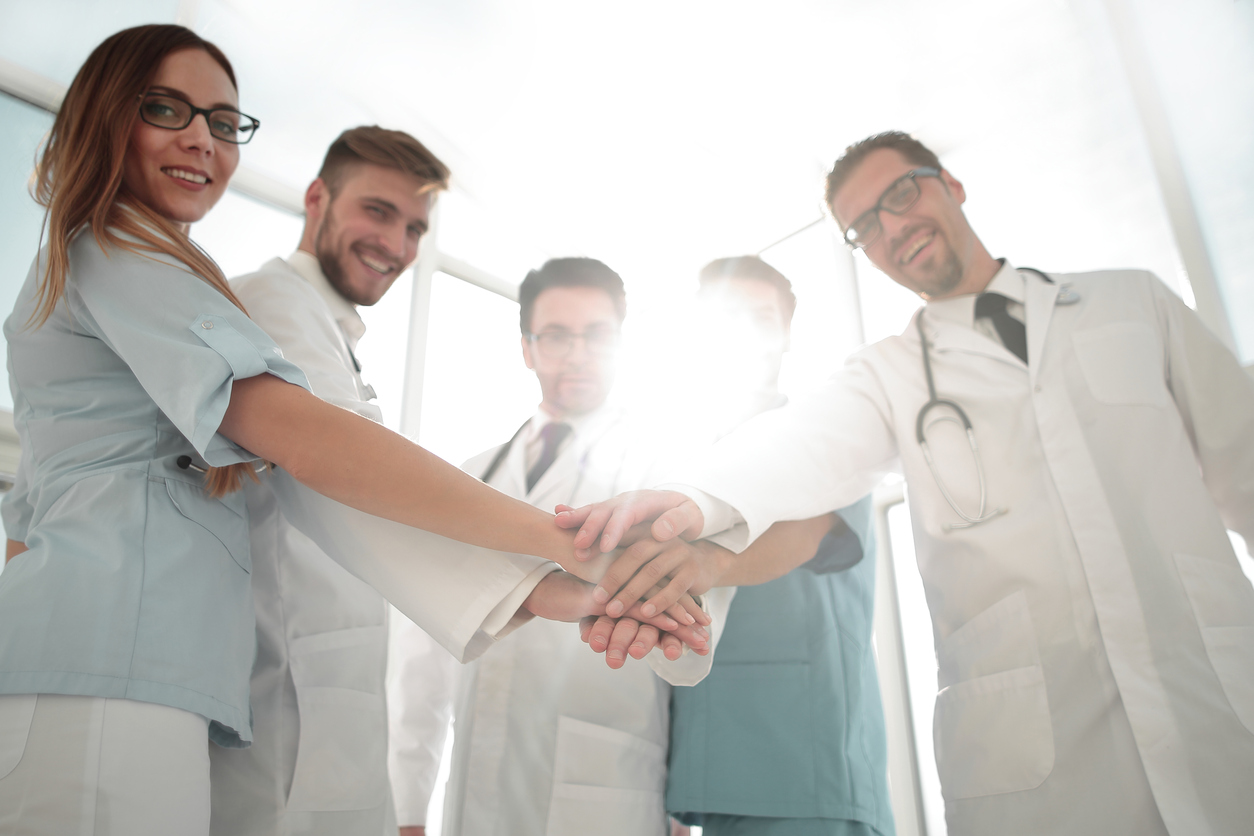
317	196
955	188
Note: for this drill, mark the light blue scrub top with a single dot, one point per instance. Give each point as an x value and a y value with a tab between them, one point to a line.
136	584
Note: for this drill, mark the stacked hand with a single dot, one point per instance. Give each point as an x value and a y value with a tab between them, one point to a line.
561	596
653	575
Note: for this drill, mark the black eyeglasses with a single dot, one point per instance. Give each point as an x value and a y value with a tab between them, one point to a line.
896	199
556	345
175	114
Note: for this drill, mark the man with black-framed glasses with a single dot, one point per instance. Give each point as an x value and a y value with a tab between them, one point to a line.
547	738
1069	493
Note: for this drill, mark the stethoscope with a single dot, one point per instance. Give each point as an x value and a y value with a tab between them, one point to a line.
499	458
1066	296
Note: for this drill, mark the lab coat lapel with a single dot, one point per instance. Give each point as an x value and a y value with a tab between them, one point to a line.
945	335
1038	302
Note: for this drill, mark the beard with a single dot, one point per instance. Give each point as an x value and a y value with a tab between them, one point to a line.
945	276
331	260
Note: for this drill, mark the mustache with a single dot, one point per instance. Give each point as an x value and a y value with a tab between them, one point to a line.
897	242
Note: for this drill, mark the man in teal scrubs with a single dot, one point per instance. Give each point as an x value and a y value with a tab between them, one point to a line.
785	736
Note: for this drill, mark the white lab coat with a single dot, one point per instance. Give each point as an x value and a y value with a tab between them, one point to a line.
1096	642
548	739
318	762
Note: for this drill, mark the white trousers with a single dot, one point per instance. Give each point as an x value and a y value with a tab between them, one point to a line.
92	766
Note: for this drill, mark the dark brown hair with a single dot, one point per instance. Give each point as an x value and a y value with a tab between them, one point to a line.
751	267
79	176
907	146
569	272
373	145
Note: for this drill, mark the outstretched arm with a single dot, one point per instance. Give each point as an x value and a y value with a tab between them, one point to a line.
679	567
361	464
603	525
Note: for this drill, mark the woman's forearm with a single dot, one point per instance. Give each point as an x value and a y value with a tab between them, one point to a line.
359	463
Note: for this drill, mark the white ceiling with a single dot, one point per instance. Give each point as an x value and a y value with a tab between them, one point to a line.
662	133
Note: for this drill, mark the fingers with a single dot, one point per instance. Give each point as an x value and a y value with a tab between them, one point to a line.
585	627
672	647
685	521
623	570
599	632
685	606
568	517
621	638
672	562
674	595
591	520
604	524
646	639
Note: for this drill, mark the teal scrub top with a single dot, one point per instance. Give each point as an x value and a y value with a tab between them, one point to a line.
789	724
136	582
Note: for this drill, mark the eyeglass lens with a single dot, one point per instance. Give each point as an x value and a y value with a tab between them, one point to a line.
898	198
556	345
176	114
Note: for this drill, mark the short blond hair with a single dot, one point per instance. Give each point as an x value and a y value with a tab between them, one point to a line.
373	145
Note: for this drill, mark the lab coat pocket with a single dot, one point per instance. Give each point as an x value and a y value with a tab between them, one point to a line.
992	728
1223	604
17	711
607	781
217	516
341	755
1113	360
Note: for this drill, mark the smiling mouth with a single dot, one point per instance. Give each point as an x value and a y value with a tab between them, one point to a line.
381	267
189	176
908	255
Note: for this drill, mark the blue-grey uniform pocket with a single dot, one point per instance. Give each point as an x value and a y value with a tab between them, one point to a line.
217	516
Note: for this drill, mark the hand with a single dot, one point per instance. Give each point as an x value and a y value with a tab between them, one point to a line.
616	637
414	830
680	606
672	515
664	571
562	597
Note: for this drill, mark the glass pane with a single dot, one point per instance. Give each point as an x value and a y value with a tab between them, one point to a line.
921	668
22	127
1206	81
242	234
54	37
476	389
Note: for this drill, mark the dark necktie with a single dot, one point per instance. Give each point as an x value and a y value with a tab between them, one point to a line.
1013	335
553	434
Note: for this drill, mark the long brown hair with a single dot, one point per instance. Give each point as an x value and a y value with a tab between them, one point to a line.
79	177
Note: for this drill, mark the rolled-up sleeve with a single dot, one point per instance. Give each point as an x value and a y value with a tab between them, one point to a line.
184	340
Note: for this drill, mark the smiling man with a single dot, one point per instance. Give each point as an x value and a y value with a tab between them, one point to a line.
318	763
1074	446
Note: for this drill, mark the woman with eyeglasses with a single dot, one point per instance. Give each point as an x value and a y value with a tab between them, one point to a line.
144	396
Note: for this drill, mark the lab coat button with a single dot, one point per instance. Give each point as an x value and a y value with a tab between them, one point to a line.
1038	387
208	326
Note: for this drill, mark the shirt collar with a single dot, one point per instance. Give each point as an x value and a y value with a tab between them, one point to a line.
586	425
960	310
345	312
